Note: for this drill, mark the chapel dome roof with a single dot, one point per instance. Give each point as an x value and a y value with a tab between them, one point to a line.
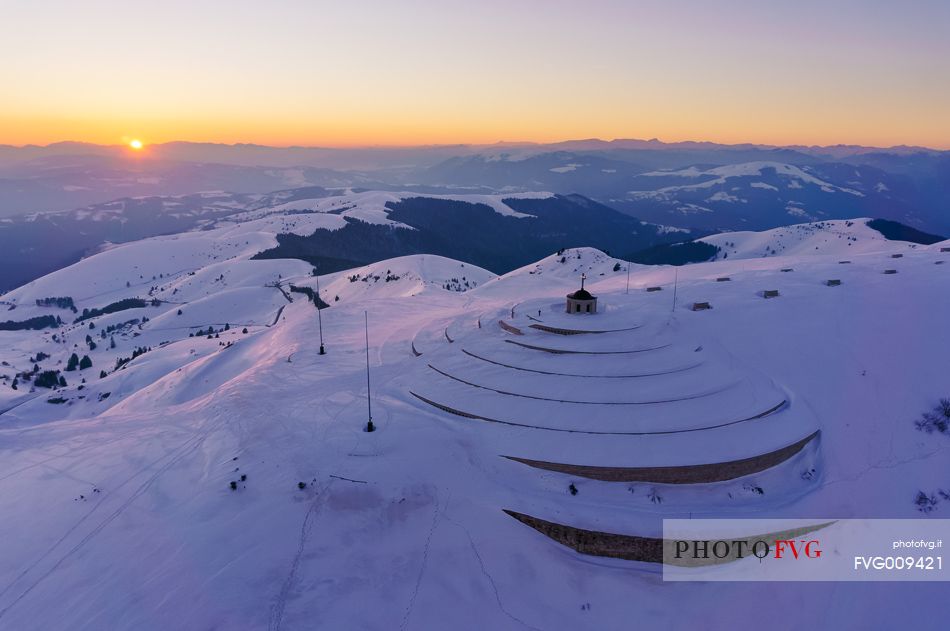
581	294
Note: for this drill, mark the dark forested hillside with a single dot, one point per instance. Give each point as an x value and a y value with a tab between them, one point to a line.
474	233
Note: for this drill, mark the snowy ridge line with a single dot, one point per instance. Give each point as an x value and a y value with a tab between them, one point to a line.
560	331
699	395
568	374
477	417
677	474
564	351
637	548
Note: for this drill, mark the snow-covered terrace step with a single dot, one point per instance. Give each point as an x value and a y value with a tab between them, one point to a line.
603	393
742	402
559	370
697	377
667	359
777	428
682	474
584	350
576	331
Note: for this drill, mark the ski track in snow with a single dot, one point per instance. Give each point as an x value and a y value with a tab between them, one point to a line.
277	609
436	515
173	457
488	576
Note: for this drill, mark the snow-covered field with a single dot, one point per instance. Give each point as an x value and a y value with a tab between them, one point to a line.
116	500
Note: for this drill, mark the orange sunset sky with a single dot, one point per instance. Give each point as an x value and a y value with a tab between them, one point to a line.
426	71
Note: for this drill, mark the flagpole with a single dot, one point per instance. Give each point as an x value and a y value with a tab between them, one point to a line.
320	317
369	404
676	274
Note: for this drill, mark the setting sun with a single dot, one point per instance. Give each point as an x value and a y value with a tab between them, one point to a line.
135	144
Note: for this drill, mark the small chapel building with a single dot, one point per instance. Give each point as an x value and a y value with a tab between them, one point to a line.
581	301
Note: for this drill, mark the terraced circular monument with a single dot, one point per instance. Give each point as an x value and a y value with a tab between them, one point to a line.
612	398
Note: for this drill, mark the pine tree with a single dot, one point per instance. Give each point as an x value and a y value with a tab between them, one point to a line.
85	362
73	362
112	342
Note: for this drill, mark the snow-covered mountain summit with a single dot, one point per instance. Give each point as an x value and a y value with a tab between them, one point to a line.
833	238
793	177
210	462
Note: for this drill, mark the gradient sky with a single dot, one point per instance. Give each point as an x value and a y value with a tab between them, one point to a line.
440	71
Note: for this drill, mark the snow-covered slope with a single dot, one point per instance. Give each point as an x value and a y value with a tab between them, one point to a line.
371	206
833	238
568	265
184	283
116	493
404	276
793	177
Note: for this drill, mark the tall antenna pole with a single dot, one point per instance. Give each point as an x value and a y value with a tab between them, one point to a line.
628	277
369	404
320	317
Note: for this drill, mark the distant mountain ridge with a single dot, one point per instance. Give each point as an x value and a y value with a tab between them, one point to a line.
252	154
725	190
910	185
